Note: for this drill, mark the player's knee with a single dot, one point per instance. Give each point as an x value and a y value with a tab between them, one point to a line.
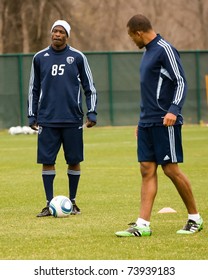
148	169
171	170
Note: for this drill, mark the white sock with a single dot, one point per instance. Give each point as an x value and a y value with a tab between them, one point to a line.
142	223
194	217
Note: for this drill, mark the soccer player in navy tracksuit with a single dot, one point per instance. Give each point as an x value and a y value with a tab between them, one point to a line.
163	89
58	75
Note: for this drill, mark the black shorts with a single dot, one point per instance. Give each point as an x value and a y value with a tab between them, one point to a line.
160	144
50	140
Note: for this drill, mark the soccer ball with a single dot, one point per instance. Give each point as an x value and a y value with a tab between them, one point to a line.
60	206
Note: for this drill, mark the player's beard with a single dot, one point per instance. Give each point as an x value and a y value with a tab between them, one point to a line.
140	45
58	43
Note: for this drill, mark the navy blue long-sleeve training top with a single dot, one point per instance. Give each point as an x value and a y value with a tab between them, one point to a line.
55	91
163	83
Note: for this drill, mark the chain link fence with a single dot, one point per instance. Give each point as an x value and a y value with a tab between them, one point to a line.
116	77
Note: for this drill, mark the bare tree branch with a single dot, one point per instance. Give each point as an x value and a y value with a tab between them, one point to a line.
100	25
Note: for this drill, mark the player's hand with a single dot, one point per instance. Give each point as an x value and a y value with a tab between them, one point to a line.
34	126
89	123
169	119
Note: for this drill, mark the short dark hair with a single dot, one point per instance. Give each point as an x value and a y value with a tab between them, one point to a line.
139	23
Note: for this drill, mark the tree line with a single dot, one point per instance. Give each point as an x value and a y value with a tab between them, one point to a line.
100	25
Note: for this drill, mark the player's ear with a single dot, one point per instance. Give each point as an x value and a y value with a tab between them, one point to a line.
139	33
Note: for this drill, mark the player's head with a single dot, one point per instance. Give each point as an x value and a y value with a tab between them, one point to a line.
139	23
64	24
138	26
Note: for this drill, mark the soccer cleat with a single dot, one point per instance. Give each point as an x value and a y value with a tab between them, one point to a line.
75	209
191	227
44	213
134	230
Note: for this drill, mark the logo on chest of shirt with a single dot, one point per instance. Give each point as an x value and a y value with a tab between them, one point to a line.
70	59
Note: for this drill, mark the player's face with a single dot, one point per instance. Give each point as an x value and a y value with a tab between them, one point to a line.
58	37
137	38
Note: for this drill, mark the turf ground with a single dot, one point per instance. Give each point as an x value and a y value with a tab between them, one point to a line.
108	197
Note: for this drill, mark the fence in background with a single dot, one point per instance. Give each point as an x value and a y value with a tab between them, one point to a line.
116	77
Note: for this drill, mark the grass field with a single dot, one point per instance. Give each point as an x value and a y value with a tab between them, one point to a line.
108	196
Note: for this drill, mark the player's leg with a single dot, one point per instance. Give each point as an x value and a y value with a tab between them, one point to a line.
49	142
172	154
148	169
74	176
182	185
148	188
48	176
73	151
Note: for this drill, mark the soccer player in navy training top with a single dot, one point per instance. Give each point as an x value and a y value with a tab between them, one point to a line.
163	89
59	73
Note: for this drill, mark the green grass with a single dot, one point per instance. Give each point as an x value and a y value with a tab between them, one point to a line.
108	195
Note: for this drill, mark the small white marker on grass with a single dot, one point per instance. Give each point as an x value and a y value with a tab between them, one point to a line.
167	210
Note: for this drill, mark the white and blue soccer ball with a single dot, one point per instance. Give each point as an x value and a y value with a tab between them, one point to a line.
60	206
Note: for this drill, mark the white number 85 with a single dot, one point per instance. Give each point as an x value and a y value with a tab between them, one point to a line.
57	69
